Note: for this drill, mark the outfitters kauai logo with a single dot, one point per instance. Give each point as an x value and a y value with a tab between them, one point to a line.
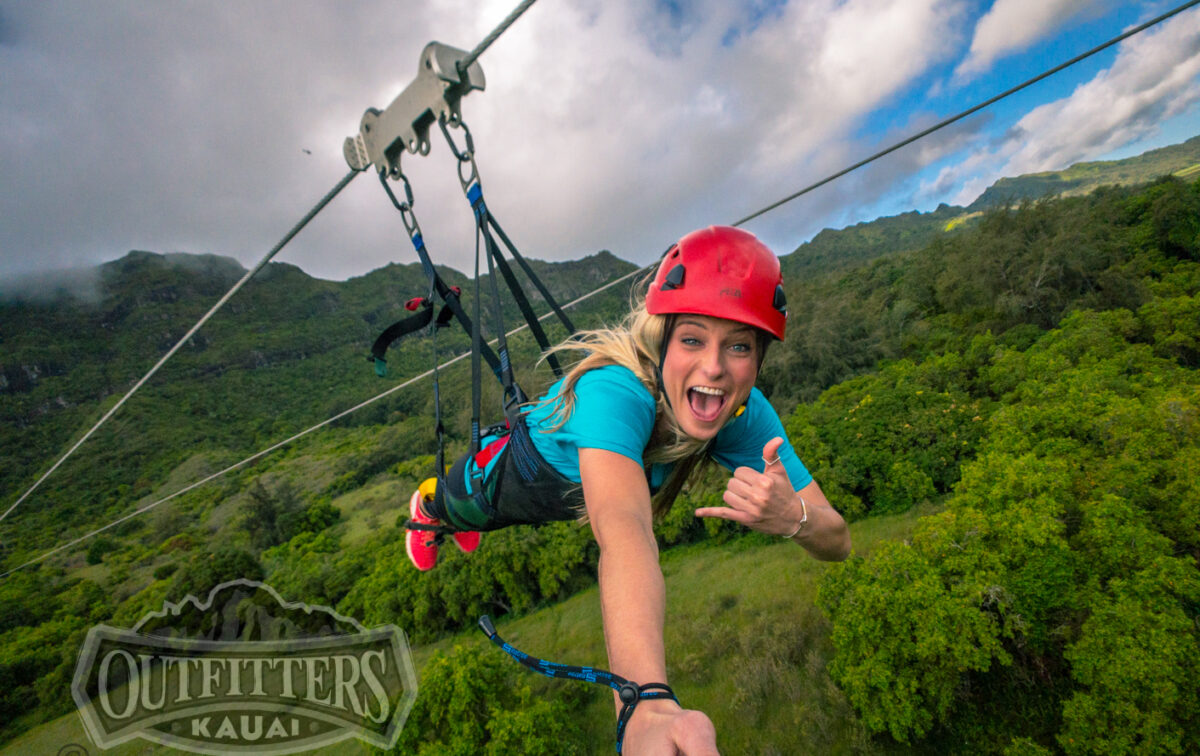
244	672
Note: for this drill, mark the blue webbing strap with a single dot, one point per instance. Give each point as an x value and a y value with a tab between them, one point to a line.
630	692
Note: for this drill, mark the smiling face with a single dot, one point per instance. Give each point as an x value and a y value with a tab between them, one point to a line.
710	367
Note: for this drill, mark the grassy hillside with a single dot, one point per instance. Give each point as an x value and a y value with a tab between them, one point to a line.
832	250
839	249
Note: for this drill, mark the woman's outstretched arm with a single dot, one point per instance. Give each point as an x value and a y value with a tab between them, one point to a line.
632	599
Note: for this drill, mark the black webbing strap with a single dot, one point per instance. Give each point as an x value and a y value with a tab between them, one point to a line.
522	301
629	692
448	294
402	328
537	282
513	395
535	325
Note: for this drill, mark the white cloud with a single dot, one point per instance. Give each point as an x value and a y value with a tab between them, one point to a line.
839	61
1153	79
605	124
1012	25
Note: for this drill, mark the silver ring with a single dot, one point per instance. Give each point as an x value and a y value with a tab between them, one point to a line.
769	462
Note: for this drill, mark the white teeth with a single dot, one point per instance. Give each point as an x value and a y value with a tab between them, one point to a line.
708	390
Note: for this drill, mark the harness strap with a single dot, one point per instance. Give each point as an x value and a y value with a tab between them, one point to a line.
537	282
513	395
439	531
535	325
411	324
450	295
499	361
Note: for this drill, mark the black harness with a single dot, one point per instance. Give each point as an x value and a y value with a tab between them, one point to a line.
487	229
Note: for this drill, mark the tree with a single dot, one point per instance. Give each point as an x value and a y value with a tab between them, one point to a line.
474	701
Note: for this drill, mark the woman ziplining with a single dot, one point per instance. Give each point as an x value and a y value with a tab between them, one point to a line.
614	441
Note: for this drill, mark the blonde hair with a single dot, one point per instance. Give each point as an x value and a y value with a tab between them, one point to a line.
635	344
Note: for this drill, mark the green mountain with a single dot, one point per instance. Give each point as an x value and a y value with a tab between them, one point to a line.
840	249
289	350
286	352
1182	160
844	248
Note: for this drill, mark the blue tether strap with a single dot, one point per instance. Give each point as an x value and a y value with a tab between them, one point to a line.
630	692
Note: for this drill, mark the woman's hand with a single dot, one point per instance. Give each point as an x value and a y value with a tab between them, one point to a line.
763	501
662	728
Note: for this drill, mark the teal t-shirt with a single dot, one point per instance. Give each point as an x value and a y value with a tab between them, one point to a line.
615	412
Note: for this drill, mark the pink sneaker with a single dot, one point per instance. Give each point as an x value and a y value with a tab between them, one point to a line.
421	544
467	540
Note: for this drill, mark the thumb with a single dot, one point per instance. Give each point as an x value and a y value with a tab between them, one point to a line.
770	454
772	465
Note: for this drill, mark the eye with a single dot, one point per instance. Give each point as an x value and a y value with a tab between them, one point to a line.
689	340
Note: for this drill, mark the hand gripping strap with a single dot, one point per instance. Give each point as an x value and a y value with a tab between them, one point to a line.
631	693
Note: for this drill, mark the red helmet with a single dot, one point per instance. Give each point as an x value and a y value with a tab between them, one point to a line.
723	272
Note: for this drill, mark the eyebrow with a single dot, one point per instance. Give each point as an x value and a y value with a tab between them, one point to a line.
701	324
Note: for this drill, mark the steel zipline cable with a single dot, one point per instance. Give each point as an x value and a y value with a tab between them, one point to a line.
464	64
472	56
301	434
191	332
483	45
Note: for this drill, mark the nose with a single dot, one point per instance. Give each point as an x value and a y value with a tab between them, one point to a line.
712	361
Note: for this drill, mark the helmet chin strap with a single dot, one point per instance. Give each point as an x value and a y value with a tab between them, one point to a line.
662	357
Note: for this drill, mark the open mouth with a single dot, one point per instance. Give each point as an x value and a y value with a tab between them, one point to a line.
706	402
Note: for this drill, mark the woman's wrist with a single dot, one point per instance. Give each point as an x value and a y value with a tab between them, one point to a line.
803	521
649	708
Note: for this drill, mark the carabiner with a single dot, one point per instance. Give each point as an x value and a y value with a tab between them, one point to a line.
464	158
407	215
458	123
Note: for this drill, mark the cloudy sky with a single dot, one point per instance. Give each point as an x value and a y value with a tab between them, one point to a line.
606	124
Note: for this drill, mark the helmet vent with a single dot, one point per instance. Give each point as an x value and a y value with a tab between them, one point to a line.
674	279
780	302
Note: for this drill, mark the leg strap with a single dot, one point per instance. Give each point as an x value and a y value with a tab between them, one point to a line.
439	531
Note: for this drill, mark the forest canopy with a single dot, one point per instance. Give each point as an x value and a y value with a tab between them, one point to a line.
1028	381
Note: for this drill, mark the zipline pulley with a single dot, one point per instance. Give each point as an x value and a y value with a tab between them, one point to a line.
384	136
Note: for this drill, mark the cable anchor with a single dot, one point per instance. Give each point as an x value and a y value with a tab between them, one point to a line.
384	136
